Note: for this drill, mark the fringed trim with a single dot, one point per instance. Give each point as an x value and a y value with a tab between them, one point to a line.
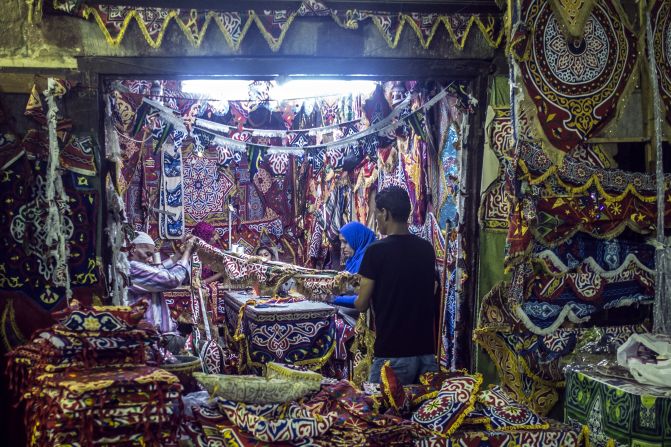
542	259
487	25
291	374
566	312
592	182
585	436
470	405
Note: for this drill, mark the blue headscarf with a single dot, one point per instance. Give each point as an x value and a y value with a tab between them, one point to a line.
359	237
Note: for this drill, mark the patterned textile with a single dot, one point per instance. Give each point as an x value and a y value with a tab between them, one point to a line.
55	350
575	177
450	159
23	245
206	187
278	423
269	276
255	390
529	365
300	333
456	398
557	435
274	24
496	201
291	372
506	414
550	296
78	156
606	255
171	219
214	428
619	410
78	318
553	220
59	410
392	390
576	84
661	29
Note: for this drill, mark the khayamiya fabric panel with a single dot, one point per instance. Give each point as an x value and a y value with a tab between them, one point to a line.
575	85
529	365
22	191
153	23
575	176
660	16
553	220
557	435
618	410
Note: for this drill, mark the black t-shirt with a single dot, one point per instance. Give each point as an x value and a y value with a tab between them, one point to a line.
403	268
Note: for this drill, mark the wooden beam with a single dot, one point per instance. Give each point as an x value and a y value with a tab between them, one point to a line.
439	6
294	67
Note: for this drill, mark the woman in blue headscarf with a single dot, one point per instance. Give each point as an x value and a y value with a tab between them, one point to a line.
355	237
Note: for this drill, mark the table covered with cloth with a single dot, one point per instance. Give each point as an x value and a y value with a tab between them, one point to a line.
619	412
292	331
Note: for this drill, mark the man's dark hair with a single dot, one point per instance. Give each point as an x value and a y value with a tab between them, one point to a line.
395	200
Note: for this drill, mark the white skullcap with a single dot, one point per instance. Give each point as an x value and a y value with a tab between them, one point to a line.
142	238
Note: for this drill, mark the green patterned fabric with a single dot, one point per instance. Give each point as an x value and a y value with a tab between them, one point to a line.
624	411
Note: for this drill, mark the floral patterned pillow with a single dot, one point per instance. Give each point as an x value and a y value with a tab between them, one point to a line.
456	398
80	318
506	414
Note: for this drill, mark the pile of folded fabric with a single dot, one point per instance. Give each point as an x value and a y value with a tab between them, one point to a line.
446	409
85	381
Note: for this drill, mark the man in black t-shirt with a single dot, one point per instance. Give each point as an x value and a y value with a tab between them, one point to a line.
397	281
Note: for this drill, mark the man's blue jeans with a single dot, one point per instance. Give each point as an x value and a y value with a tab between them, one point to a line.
407	369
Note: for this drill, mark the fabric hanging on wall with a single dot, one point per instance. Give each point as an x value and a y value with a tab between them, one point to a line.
660	15
449	163
576	85
171	215
26	271
207	186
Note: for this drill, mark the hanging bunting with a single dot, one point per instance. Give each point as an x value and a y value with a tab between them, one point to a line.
153	23
575	85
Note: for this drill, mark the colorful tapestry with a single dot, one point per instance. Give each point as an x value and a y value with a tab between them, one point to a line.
606	255
24	255
660	17
617	410
529	365
300	333
456	398
506	414
171	205
557	435
575	176
549	296
552	220
496	201
274	24
450	160
576	84
278	423
207	185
